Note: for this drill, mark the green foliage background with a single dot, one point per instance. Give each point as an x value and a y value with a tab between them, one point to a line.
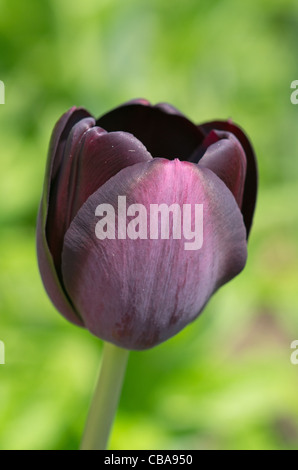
226	381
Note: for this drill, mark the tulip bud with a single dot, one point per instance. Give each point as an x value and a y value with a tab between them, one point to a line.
144	215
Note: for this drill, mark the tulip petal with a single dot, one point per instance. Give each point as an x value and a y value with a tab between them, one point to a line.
47	268
102	156
139	292
92	156
62	187
163	130
168	108
59	137
51	282
226	158
251	179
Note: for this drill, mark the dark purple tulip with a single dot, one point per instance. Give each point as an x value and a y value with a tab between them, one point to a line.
138	293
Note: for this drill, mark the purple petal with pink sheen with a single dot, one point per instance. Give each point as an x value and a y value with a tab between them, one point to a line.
138	293
163	130
47	269
226	158
251	179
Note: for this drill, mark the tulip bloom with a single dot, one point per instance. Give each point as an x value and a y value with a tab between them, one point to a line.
135	292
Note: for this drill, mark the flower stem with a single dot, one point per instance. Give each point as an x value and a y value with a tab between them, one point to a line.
106	397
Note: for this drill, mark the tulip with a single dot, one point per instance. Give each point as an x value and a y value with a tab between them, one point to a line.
138	293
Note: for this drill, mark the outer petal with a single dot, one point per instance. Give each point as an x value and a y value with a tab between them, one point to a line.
251	180
226	158
138	293
47	269
163	130
61	189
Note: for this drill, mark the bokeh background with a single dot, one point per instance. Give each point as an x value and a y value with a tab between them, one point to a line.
226	381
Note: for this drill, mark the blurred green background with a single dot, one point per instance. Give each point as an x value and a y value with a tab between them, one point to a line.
226	381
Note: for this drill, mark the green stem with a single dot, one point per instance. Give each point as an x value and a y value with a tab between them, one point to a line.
106	397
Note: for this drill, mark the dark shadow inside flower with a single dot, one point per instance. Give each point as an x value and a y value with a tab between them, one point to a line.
165	134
